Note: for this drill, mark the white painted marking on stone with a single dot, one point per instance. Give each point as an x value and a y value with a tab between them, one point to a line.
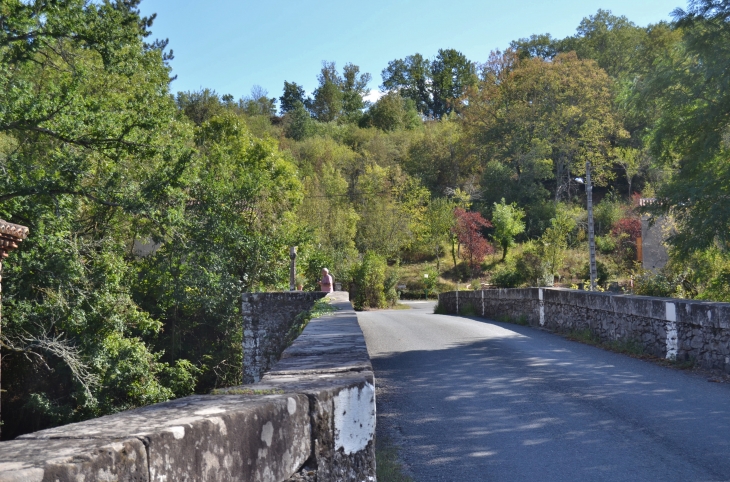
709	315
354	418
671	311
267	434
542	314
177	432
291	406
672	340
539	294
210	411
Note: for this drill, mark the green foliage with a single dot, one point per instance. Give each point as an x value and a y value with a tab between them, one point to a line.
430	281
507	221
369	280
439	221
606	244
656	284
607	212
298	124
149	217
293	95
554	241
602	273
531	267
439	309
437	86
392	112
543	120
507	277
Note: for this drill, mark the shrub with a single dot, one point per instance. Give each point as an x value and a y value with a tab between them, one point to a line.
507	278
530	266
369	280
605	244
390	286
602	273
607	213
656	284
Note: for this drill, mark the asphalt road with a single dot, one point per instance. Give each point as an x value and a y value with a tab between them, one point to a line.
468	399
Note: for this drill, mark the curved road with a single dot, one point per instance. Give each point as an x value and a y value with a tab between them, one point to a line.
468	399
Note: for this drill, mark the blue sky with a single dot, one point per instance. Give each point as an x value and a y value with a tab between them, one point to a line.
232	45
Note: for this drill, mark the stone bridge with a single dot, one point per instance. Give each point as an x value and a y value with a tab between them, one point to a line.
309	416
670	328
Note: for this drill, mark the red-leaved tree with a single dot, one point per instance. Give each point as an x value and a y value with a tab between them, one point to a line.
468	229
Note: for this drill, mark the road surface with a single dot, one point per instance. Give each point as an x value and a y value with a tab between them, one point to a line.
468	399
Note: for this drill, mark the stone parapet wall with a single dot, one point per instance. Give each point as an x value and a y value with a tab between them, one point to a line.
311	417
267	318
665	327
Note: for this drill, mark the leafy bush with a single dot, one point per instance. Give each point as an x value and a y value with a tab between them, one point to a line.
507	278
656	284
390	286
369	281
602	272
606	244
530	266
607	213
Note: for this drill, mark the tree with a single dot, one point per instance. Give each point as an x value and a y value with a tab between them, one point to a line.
410	77
507	220
326	105
390	206
441	157
543	46
554	242
468	230
609	40
691	89
354	87
199	106
542	121
629	160
93	152
435	86
293	93
392	112
440	221
451	74
298	124
258	102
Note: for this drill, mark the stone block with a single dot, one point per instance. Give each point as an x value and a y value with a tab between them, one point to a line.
204	437
342	407
44	459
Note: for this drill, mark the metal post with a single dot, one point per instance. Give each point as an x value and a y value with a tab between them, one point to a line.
591	234
293	268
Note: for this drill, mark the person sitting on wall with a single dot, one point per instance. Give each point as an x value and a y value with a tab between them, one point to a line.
327	282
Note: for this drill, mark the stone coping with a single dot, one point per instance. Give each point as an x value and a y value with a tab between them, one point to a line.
696	312
317	405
